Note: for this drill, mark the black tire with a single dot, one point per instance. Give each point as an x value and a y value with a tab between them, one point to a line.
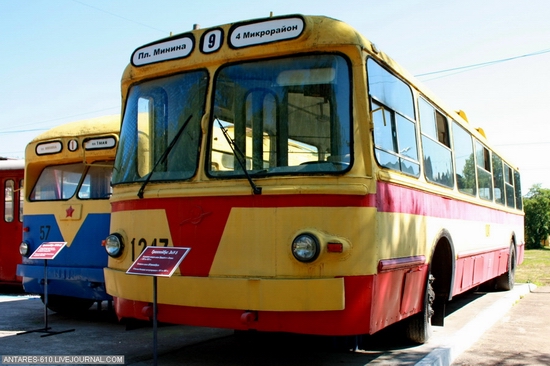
67	305
419	326
505	282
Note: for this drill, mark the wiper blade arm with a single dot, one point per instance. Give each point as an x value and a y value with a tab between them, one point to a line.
241	159
163	156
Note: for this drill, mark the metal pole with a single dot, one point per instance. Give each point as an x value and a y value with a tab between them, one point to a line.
46	294
155	358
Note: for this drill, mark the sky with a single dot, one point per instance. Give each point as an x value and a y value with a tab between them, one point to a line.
62	60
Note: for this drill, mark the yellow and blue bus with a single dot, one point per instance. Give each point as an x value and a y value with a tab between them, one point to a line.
11	179
320	188
68	173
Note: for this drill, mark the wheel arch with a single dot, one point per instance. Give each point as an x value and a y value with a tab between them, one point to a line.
442	268
514	242
443	264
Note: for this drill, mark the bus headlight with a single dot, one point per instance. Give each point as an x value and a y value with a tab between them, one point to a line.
114	245
305	248
24	249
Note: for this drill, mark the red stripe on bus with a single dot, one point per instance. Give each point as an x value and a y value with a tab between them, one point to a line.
260	201
390	198
398	199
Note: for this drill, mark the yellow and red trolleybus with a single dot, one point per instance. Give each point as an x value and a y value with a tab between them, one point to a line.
320	188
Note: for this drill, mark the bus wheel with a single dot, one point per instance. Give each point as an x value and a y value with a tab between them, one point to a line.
505	281
67	305
419	327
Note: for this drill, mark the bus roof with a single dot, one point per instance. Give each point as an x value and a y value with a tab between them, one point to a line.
313	31
11	164
265	38
104	124
287	34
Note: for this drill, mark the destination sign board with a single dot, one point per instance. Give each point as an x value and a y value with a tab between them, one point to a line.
266	31
171	49
46	148
100	143
244	34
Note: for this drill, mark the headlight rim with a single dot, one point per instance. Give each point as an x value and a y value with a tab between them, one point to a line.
120	248
27	249
316	247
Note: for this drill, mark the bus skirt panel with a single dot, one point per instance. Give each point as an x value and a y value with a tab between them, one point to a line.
86	283
333	306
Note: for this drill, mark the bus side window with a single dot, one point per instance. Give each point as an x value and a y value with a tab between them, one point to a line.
438	163
21	199
509	183
144	122
393	117
9	196
517	188
498	179
464	160
484	176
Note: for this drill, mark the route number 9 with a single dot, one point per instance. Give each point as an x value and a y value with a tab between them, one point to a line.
211	41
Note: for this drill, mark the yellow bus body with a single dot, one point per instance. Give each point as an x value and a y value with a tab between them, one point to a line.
381	232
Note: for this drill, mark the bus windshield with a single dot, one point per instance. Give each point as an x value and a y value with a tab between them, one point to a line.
61	182
289	115
155	113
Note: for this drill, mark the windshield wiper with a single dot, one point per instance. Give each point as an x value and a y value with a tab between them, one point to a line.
163	157
240	158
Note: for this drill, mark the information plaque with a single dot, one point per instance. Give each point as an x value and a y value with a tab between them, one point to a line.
158	261
48	250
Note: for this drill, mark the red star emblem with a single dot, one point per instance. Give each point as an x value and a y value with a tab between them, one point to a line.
70	211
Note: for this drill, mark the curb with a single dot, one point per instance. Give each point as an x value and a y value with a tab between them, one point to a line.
473	330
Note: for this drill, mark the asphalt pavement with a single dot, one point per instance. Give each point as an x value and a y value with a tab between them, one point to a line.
514	330
519	337
495	328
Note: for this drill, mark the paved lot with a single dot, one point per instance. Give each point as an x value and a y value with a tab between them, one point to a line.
520	337
98	333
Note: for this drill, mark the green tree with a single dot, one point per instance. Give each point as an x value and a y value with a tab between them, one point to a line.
536	205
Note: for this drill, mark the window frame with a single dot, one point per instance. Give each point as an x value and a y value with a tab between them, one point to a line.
437	135
484	169
392	114
9	196
272	102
